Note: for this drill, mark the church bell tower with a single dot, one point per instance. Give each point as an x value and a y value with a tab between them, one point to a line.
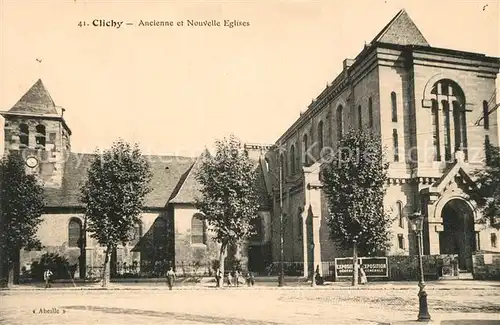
35	127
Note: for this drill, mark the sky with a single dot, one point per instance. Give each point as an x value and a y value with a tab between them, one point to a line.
174	90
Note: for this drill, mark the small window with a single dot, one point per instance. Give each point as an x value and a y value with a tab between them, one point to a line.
370	112
493	239
198	231
486	115
394	104
74	232
320	136
340	122
292	159
395	141
267	164
306	147
24	135
399	214
360	117
401	241
40	136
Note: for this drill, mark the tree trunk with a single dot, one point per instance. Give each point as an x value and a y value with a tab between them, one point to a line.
221	263
10	275
106	269
354	264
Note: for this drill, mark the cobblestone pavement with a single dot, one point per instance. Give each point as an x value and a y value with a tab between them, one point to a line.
247	306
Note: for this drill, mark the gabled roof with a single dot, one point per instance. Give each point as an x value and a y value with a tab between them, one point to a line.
189	187
457	169
401	30
167	172
36	100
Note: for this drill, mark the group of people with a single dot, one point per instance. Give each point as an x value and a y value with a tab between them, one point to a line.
233	278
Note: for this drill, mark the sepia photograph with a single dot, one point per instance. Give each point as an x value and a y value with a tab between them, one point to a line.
249	162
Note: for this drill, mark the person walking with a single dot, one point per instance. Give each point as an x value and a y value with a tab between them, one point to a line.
47	274
218	277
362	275
229	279
170	278
237	278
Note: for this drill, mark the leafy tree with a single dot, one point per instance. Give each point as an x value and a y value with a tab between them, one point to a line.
114	193
228	198
354	182
488	184
21	207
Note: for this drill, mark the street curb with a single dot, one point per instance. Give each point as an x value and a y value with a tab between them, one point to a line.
200	288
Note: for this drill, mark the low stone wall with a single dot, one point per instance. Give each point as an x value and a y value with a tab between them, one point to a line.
486	266
405	268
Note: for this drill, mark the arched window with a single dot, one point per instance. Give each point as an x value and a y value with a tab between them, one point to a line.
370	112
40	135
292	159
435	131
447	131
340	122
257	228
320	137
395	142
399	214
24	135
74	232
486	115
198	230
306	147
360	117
394	105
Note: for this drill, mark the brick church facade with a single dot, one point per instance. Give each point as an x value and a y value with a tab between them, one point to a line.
434	109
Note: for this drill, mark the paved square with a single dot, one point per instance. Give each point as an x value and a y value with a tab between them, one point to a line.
247	306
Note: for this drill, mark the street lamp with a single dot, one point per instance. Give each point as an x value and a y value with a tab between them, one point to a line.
417	225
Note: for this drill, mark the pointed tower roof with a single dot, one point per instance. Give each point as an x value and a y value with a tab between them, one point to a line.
36	100
401	30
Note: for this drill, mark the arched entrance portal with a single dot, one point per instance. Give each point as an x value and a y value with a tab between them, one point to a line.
458	235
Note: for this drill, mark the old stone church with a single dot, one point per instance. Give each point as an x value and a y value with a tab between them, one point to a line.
434	109
171	231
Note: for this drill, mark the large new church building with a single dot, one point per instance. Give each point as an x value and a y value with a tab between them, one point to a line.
433	108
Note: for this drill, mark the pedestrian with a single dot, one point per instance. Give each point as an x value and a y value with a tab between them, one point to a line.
237	278
47	277
318	277
218	277
362	274
250	280
170	278
229	279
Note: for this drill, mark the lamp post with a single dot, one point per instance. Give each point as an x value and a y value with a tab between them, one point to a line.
417	225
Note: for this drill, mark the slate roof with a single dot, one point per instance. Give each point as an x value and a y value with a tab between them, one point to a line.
168	172
190	188
36	100
401	30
